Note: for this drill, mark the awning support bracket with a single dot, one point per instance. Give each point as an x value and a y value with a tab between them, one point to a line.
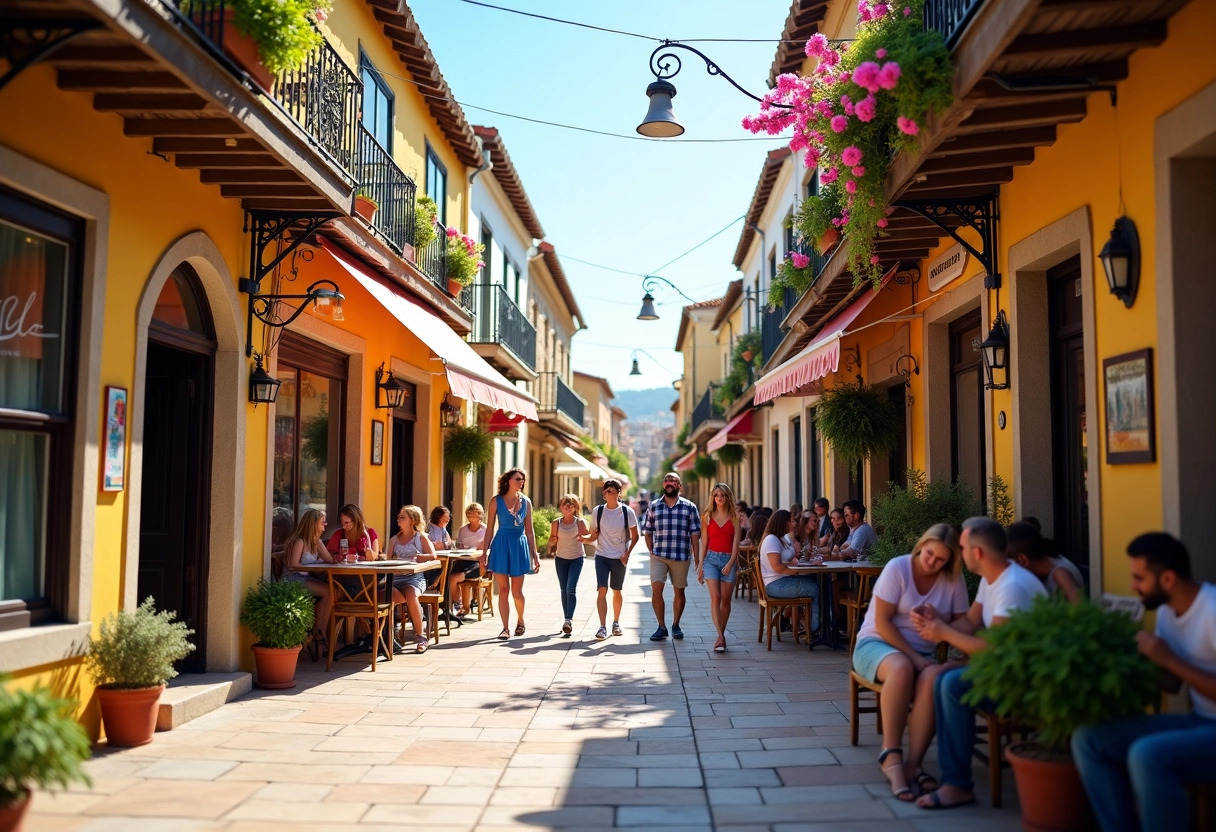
977	213
278	234
24	41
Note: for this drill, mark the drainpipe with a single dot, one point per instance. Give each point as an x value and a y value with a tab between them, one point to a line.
486	164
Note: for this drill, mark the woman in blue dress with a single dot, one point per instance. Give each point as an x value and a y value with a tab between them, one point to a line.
512	553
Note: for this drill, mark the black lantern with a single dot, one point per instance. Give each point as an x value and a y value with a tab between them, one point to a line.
995	350
636	371
660	121
390	393
324	296
1121	261
449	414
263	387
649	284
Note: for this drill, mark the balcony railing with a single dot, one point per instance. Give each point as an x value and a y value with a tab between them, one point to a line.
381	179
553	394
706	409
322	97
950	17
771	334
433	260
497	320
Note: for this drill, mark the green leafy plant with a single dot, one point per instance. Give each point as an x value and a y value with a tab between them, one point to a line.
816	214
1058	666
316	439
366	194
425	213
464	257
137	648
41	744
284	30
467	446
690	478
280	613
732	454
742	370
542	523
705	467
1000	504
858	422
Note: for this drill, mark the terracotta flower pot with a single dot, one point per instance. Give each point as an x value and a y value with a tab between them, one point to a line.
365	208
13	817
827	241
244	50
129	716
276	666
747	355
455	287
1050	792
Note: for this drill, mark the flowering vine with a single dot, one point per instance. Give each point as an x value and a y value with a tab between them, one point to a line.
463	256
863	102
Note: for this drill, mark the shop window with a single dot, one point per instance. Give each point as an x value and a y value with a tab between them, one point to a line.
308	428
39	279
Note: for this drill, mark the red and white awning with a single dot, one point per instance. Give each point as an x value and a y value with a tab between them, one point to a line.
737	429
469	376
685	462
794	376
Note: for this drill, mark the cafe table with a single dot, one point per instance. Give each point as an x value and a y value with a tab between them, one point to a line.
454	555
358	599
827	607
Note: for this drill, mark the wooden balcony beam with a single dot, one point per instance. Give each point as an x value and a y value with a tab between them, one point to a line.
190	144
163	102
254	191
1052	44
211	176
227	160
1003	140
91	80
977	161
1025	115
182	127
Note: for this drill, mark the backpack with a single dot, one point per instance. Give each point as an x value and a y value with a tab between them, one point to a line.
599	513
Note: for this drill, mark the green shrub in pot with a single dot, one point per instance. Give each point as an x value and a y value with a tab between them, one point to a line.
137	648
280	613
467	446
41	744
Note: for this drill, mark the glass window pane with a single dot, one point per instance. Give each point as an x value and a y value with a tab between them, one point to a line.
178	305
24	462
33	309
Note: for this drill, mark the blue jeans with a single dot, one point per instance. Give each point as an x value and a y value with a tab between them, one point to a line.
568	571
955	728
1145	760
797	586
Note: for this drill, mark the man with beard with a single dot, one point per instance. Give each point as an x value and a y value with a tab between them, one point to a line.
1145	762
673	535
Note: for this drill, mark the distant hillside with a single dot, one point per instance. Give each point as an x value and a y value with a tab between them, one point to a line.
653	405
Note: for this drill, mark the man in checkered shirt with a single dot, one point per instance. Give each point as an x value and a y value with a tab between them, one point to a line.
673	533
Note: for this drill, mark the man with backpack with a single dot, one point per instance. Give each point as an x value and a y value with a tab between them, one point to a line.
615	535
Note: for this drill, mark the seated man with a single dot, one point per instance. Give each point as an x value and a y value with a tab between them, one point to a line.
861	540
1004	587
1144	763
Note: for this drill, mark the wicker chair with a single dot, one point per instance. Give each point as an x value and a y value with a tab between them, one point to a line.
769	621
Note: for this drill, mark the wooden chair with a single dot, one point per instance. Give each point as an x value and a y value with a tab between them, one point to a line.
768	606
745	583
857	605
483	594
991	740
361	597
857	707
432	599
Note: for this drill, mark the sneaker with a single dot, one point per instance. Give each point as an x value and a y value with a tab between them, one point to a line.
601	634
676	632
616	628
566	627
659	634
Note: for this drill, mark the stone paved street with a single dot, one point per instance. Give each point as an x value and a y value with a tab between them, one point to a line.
538	732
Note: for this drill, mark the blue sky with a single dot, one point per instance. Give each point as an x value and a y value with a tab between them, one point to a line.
630	205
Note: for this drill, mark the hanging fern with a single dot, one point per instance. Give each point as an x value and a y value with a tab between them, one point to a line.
689	477
732	454
466	447
705	466
316	439
858	422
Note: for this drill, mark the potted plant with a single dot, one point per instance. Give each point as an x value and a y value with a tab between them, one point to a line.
705	466
130	659
819	218
857	421
425	214
365	206
1055	667
463	260
467	446
41	745
267	37
732	454
281	614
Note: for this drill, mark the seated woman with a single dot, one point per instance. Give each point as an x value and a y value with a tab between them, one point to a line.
460	580
361	540
1034	552
301	549
831	542
890	650
409	544
780	581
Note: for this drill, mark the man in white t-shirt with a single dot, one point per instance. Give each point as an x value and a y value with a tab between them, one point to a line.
615	534
1004	587
1136	770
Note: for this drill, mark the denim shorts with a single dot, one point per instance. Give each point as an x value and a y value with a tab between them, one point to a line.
869	653
715	562
417	581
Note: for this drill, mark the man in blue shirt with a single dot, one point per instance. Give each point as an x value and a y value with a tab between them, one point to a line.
673	534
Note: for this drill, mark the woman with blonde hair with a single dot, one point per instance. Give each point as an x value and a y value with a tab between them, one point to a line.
301	549
720	556
566	547
410	544
890	650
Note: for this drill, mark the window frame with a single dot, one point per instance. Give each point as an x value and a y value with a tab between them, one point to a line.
382	89
433	163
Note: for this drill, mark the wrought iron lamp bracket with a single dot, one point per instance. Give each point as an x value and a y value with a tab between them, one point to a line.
278	234
667	64
977	213
26	41
852	361
652	281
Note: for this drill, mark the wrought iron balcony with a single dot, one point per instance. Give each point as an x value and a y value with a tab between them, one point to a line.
381	179
322	97
497	320
950	17
771	334
708	408
433	260
555	396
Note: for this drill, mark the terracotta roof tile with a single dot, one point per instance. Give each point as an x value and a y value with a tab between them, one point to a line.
559	279
803	21
504	171
764	189
733	291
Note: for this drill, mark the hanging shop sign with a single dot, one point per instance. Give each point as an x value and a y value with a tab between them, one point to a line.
946	266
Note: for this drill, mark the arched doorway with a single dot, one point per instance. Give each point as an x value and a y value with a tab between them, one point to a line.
175	501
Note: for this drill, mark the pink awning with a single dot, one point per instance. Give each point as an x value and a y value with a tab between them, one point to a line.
737	429
794	376
685	462
469	376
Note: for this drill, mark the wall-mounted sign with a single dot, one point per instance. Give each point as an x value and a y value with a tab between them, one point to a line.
506	434
946	266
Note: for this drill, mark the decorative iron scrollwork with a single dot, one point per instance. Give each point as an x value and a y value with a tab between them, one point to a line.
977	213
24	42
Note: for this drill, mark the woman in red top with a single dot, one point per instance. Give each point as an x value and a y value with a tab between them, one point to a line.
720	556
360	539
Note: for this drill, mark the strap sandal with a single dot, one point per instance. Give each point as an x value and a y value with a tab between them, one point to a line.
903	794
519	629
504	635
421	644
925	781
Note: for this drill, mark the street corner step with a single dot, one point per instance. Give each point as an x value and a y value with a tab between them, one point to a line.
192	695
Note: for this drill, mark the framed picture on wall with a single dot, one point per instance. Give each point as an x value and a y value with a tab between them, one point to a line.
114	440
1130	425
377	442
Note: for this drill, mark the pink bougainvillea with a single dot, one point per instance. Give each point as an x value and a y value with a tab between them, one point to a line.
907	125
800	260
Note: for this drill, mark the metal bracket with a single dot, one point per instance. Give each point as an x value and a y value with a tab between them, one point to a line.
268	229
24	42
978	213
852	361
